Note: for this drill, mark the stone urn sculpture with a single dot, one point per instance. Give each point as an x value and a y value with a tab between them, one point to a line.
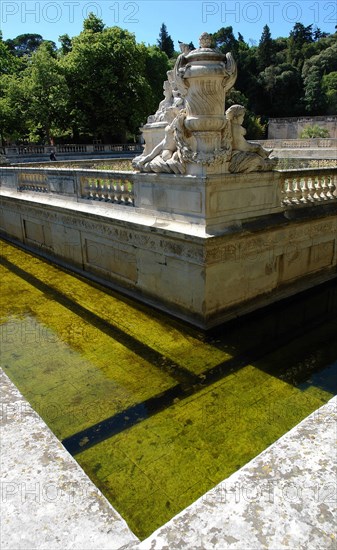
206	75
190	133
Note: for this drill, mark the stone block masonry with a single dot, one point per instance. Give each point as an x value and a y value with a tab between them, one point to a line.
205	251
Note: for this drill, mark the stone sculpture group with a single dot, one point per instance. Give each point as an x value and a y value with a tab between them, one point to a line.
191	131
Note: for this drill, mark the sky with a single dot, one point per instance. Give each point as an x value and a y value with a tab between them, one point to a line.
185	19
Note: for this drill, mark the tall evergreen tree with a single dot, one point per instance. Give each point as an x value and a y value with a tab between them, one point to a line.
299	37
165	42
265	51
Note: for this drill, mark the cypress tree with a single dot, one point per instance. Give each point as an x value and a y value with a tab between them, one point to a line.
165	42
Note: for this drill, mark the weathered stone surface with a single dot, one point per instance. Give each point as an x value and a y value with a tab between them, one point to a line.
189	133
47	501
204	254
291	127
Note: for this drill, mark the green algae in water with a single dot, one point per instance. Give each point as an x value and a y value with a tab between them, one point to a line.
81	355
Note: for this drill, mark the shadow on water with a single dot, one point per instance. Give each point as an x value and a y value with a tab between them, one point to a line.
173	410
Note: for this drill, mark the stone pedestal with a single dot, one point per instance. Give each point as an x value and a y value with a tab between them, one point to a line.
214	202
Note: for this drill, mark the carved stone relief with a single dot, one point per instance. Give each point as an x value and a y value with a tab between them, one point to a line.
191	127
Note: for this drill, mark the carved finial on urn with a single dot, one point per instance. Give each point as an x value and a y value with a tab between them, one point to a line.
205	40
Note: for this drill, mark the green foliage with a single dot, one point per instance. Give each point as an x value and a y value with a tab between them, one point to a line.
93	23
13	109
265	51
109	93
66	44
281	90
314	131
255	128
27	44
156	67
45	90
225	41
329	87
102	84
165	42
8	62
314	69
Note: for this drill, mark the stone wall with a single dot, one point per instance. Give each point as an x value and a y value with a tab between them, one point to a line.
244	243
291	128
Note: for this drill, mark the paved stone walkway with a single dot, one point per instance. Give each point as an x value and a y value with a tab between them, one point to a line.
283	499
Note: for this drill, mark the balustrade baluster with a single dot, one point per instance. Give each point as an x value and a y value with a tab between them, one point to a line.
285	190
92	191
100	187
324	188
296	190
123	193
106	190
305	190
333	186
118	192
131	195
311	189
317	189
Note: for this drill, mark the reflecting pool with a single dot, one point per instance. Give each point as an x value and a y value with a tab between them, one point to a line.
154	411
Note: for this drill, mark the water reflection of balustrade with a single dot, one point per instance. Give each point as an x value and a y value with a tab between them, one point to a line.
33	182
305	187
113	189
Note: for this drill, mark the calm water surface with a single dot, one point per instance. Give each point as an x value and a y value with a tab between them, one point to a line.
156	412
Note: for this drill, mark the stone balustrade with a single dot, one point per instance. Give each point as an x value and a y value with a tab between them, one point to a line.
26	150
113	188
33	181
326	143
305	187
76	184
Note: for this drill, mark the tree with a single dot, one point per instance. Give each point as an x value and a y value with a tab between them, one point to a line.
8	62
14	123
109	94
225	40
299	37
25	44
165	42
313	72
329	87
46	92
314	98
93	23
156	67
275	83
66	44
265	50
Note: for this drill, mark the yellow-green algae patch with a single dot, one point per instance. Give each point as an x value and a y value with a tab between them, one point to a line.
157	468
171	339
76	373
72	373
